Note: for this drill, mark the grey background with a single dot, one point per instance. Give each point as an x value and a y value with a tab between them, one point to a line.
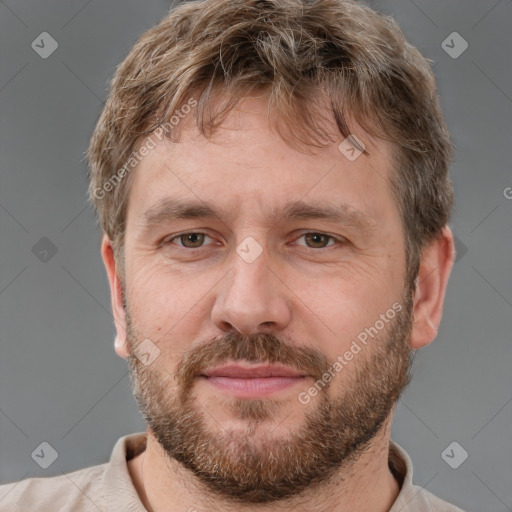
60	379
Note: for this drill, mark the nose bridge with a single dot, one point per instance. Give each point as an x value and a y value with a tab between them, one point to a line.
250	274
251	296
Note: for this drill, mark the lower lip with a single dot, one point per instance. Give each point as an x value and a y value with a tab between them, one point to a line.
256	387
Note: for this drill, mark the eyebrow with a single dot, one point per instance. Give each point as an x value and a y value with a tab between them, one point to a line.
172	209
169	209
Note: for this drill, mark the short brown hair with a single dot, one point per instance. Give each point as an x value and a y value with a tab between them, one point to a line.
293	50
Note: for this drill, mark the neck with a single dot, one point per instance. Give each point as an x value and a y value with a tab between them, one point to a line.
367	485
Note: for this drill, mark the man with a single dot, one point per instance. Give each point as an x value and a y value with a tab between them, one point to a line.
271	181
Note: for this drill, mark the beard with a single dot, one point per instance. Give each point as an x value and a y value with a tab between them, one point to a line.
245	465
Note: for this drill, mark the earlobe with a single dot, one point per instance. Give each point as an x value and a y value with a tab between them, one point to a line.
107	253
435	267
120	346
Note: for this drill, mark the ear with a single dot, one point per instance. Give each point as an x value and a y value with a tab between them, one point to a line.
435	267
118	311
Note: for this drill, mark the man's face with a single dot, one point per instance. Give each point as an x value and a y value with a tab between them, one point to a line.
273	278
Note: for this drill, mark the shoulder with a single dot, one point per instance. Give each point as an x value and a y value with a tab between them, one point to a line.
412	498
430	502
79	491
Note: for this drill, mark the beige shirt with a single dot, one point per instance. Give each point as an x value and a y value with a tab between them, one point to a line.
109	488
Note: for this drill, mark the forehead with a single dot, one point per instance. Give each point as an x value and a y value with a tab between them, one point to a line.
246	164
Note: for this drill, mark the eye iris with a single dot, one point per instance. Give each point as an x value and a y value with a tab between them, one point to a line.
192	239
316	240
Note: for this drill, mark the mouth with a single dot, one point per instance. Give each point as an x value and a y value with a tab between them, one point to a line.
244	381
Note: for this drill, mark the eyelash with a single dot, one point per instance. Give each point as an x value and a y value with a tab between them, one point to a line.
338	241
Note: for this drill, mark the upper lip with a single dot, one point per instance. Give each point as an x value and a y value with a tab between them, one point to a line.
251	372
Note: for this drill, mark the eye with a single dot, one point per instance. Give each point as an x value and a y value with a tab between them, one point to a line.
189	240
317	240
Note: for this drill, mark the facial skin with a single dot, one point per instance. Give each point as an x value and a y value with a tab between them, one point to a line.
298	305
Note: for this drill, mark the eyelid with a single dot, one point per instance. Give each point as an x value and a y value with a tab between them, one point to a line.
338	240
168	240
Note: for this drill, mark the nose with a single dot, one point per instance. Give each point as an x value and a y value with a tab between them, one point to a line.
251	298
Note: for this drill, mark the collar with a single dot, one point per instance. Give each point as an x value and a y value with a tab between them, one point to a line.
121	496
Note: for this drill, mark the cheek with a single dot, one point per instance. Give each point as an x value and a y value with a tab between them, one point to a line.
335	309
167	306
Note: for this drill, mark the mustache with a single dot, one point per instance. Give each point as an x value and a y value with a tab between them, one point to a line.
255	348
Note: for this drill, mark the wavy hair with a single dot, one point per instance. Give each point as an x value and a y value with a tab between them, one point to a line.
299	53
